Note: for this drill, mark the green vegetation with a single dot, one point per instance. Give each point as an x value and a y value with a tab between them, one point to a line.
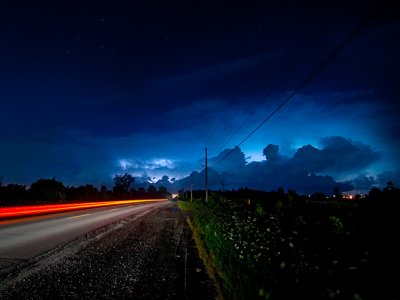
288	247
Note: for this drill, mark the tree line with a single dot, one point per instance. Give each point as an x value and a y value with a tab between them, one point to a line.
387	198
54	191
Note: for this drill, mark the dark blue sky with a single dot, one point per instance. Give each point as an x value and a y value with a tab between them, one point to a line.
90	89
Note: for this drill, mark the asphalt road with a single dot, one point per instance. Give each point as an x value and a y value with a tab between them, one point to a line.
28	237
139	252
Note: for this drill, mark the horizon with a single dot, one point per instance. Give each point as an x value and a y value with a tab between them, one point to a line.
90	91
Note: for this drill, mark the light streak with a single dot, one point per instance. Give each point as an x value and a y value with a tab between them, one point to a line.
19	211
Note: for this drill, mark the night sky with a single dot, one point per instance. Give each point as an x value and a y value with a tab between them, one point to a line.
91	89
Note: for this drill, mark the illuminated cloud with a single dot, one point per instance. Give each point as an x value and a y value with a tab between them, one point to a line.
65	116
125	164
309	170
154	169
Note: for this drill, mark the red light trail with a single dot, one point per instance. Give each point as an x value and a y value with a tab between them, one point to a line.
18	211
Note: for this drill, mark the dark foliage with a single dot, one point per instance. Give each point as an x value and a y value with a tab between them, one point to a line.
278	245
53	191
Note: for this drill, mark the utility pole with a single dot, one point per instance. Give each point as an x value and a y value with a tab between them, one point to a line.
186	188
191	192
206	178
222	182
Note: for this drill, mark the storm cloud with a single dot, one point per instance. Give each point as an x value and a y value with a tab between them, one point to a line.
337	155
309	170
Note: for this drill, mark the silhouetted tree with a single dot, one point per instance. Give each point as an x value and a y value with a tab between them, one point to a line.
336	193
47	190
151	189
103	189
87	192
318	196
14	193
122	184
163	191
374	194
292	196
104	193
389	186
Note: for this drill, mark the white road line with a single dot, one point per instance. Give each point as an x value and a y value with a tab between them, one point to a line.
144	213
77	216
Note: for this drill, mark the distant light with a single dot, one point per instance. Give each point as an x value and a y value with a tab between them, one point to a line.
348	196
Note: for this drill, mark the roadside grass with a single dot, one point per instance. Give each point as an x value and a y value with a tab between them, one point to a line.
207	259
279	251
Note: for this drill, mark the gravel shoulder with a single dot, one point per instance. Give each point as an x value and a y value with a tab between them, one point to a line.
148	256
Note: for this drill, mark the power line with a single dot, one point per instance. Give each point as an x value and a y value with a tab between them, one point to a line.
284	40
259	49
286	64
305	82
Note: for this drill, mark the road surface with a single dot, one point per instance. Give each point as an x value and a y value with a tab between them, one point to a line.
28	237
139	252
